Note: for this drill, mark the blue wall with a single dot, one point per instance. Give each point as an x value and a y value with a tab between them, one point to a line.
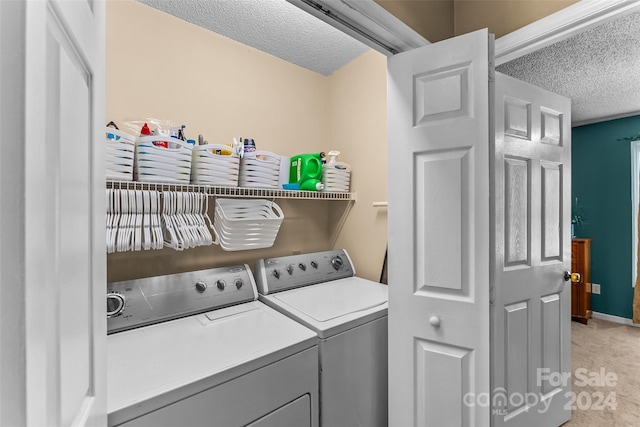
601	180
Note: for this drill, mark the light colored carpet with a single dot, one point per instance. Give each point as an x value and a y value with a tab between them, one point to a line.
616	349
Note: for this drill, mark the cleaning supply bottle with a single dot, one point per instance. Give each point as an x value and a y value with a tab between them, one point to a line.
333	155
306	171
312	185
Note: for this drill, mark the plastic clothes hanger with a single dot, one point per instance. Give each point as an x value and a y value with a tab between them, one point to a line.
146	220
138	230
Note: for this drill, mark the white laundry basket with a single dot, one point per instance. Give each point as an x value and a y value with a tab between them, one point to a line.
120	154
246	224
159	164
211	167
336	177
260	169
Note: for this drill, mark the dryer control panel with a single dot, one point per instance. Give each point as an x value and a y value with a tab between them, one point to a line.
140	302
293	271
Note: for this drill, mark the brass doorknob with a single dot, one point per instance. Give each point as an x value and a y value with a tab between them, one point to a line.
574	277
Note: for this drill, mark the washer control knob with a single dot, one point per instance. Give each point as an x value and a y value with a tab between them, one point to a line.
337	262
290	269
201	286
302	266
314	264
115	304
238	283
276	274
220	284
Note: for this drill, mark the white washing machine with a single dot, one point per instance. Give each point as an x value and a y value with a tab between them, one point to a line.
349	314
198	349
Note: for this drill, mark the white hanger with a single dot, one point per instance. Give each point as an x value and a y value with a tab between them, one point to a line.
116	219
157	241
146	220
109	219
138	226
172	238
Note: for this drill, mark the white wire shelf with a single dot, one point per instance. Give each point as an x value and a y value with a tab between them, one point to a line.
241	192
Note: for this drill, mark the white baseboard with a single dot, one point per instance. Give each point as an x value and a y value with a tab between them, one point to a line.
615	319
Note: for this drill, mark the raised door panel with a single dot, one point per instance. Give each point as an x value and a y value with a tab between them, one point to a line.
445	209
552	176
552	345
517	212
449	367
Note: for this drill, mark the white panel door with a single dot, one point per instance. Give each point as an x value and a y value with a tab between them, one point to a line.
64	213
531	312
438	147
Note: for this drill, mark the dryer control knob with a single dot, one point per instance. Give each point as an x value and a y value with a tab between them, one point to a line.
302	266
276	274
238	283
290	269
115	304
201	286
337	262
314	264
221	284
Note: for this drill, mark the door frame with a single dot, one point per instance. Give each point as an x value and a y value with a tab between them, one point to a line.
373	22
559	26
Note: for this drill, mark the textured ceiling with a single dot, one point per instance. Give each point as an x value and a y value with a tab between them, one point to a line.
272	26
598	69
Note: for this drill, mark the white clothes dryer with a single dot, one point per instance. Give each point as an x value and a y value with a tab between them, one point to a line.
349	314
198	349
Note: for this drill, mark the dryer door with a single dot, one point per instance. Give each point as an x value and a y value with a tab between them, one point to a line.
296	413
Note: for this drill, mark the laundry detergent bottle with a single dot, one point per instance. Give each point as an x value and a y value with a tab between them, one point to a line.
306	171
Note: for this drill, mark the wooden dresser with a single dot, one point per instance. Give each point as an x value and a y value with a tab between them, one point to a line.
581	291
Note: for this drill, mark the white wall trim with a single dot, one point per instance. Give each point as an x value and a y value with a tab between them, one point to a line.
615	319
370	23
635	177
605	119
559	26
366	21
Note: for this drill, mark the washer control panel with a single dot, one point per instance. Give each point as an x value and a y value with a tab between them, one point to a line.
288	272
140	302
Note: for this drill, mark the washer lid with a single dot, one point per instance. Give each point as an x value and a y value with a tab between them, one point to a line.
330	300
333	307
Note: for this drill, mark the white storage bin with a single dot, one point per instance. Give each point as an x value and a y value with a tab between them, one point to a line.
214	169
120	153
336	177
260	169
159	164
246	224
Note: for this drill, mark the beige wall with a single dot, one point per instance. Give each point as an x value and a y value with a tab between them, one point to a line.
500	16
167	68
160	66
358	116
432	19
437	20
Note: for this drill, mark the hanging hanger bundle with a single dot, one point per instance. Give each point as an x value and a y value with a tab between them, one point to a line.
133	221
185	221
